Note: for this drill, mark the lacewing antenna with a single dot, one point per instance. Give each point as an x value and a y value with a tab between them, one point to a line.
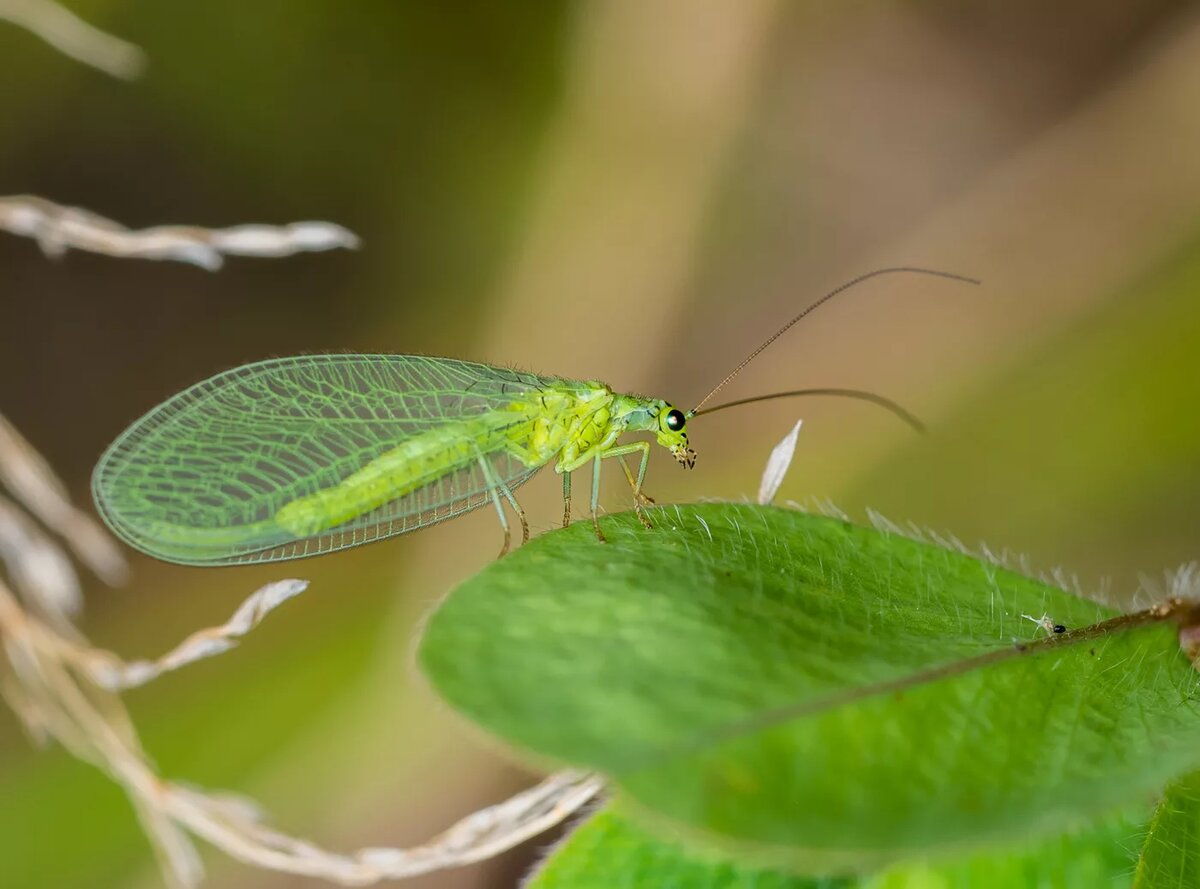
828	296
885	403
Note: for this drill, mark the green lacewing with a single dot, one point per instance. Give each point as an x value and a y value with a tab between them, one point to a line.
299	456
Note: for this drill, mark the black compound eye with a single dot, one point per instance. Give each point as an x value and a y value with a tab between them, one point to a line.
675	420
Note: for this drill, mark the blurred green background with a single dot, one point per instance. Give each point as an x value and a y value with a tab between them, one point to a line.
633	192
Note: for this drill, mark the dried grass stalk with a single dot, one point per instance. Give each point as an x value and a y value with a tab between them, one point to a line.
74	37
777	466
58	228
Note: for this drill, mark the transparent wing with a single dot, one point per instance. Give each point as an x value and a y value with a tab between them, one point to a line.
201	478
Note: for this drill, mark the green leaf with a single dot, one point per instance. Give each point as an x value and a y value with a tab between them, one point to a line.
1102	856
831	696
1171	856
612	851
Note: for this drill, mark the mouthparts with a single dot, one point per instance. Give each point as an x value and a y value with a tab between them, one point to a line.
684	456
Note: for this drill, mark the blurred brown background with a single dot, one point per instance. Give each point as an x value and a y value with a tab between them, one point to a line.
633	192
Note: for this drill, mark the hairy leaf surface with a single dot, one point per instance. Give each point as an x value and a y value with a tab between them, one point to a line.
829	695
